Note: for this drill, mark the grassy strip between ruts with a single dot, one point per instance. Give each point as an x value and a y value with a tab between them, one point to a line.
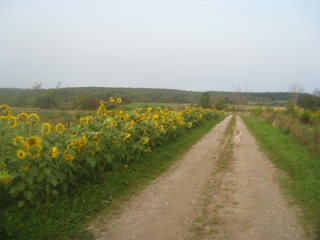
204	225
68	217
302	168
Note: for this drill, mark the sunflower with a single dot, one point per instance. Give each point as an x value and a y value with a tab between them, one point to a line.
18	140
111	99
189	124
74	143
12	121
3	164
54	152
119	100
102	111
188	110
5	114
68	157
114	123
33	119
101	103
5	111
84	120
32	142
156	124
161	129
46	128
127	136
119	114
146	140
125	116
149	109
23	117
130	125
26	168
21	154
60	128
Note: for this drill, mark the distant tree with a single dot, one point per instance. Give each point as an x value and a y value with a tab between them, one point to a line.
241	99
316	92
290	107
307	101
295	89
220	104
43	102
205	100
85	102
37	86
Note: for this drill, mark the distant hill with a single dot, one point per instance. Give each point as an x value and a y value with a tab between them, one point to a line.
53	97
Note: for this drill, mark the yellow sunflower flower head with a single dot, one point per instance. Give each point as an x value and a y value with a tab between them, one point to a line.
34	141
45	128
21	154
12	121
128	135
18	140
68	157
145	140
54	152
149	109
33	119
119	100
111	99
84	120
5	111
60	128
23	117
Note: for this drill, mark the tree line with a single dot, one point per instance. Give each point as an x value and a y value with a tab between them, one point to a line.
86	98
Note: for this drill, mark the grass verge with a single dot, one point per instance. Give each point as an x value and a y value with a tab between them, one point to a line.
303	170
68	217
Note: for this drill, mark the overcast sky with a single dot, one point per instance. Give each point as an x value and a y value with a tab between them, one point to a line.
198	45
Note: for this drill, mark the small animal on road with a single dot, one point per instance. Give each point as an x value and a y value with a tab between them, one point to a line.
237	139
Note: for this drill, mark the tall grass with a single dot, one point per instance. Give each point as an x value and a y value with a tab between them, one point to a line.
303	126
301	166
68	217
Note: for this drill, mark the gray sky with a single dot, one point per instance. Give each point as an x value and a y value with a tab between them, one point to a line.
198	45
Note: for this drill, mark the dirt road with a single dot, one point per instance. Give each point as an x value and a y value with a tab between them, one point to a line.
216	191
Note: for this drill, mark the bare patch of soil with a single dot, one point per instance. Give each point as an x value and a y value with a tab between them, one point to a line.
216	191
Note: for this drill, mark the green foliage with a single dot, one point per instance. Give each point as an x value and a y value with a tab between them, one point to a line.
71	213
205	100
85	102
40	163
64	97
290	107
304	126
45	102
308	101
220	104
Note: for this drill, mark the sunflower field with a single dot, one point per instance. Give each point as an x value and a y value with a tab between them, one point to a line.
39	161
